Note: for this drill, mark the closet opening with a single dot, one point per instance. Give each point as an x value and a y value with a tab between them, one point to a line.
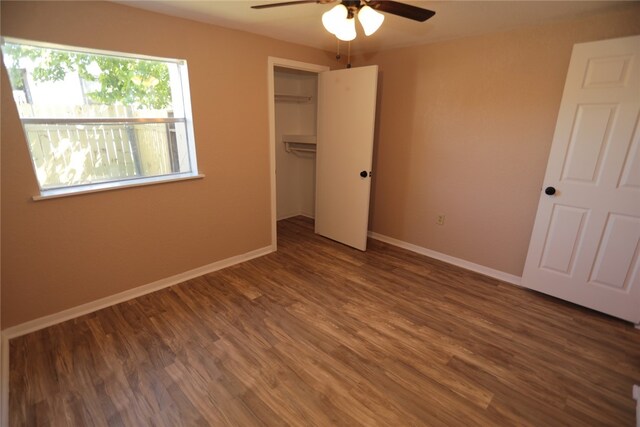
293	116
295	122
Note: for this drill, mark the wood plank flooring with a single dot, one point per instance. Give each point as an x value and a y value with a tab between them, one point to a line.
321	334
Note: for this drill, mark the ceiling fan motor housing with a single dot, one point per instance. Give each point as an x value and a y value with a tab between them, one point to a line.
352	6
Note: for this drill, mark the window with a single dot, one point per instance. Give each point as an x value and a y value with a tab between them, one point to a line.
97	120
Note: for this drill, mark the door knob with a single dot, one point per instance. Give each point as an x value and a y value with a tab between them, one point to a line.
549	191
364	174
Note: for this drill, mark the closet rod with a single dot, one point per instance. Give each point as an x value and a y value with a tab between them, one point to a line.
302	150
292	98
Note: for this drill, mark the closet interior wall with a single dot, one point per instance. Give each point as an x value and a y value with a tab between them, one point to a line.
295	114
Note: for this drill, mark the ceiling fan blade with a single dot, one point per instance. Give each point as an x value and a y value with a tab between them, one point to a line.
287	3
401	9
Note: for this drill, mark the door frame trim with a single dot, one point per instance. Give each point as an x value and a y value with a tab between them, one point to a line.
272	63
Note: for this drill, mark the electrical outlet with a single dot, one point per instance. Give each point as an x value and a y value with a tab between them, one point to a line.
440	220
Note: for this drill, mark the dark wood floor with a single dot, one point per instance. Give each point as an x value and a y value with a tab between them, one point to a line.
320	334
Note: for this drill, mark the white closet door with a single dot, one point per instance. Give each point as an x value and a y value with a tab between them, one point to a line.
346	120
585	244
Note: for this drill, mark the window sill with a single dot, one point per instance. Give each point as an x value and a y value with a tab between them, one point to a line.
108	186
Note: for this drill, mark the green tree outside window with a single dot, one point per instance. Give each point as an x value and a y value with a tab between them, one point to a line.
135	82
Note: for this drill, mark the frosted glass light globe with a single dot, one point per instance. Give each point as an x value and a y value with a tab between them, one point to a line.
334	18
347	30
370	20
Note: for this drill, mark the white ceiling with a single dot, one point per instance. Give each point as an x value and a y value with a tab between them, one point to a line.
302	23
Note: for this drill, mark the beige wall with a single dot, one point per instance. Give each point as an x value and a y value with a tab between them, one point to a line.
59	253
464	130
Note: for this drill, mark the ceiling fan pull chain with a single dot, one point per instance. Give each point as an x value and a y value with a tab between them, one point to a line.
348	54
338	50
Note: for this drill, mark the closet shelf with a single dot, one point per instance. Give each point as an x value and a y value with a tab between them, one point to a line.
299	143
280	97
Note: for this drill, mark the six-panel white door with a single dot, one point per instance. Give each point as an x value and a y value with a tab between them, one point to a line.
346	121
585	243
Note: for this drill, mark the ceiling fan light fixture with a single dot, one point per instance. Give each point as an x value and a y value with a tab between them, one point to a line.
370	20
347	30
334	19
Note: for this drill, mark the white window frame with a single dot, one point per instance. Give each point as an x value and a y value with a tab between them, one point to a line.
71	190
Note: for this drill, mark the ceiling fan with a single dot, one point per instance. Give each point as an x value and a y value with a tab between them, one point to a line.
340	20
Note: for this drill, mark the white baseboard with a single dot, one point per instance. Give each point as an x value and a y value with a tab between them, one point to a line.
636	396
4	382
286	216
293	215
46	321
467	265
72	313
52	319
